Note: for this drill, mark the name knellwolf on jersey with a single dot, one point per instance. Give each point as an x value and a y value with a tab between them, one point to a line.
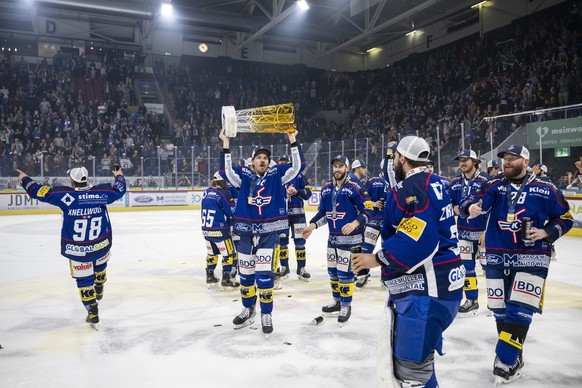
86	230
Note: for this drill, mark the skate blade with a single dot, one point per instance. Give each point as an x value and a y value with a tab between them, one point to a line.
306	280
212	286
500	380
94	326
247	323
342	324
334	314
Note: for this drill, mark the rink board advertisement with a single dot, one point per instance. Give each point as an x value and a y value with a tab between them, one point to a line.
18	202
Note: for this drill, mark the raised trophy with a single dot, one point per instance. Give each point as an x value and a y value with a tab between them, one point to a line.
265	119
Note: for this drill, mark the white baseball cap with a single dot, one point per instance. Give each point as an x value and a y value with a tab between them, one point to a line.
412	147
358	163
79	174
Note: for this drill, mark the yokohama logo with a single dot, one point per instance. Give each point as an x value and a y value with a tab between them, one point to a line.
83	266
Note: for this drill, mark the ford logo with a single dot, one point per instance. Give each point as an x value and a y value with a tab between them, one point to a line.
143	199
494	259
242	227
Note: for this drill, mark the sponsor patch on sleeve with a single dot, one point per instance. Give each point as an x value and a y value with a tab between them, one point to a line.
43	191
412	227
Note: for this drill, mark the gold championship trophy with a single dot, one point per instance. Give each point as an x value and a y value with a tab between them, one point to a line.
265	119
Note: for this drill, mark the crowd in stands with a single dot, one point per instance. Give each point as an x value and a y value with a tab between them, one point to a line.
47	123
533	63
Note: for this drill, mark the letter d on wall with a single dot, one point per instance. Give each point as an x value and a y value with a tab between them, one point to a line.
51	27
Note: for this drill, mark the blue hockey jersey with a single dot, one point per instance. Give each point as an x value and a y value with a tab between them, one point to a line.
296	203
376	189
86	230
261	207
539	200
469	229
217	211
349	206
419	254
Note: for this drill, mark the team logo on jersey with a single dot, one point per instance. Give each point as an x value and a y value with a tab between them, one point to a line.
68	199
260	201
513	227
335	217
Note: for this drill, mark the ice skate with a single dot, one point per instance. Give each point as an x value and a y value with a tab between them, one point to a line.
92	315
362	280
332	309
302	274
505	374
267	324
99	291
245	318
228	283
344	315
469	308
282	272
211	280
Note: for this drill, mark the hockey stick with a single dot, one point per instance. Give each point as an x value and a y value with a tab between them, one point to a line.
384	360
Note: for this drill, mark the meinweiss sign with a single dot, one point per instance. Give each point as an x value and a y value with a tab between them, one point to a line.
555	133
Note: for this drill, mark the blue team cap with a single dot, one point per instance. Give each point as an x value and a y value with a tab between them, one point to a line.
342	159
493	164
469	154
262	150
515	149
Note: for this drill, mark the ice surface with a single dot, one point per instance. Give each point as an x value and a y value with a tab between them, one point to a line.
161	326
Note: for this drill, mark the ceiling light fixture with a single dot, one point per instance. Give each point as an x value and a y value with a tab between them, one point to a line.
167	9
302	4
480	4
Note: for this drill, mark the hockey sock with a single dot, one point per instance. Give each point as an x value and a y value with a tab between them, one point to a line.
335	293
510	342
266	300
87	295
284	256
248	294
301	256
211	261
346	291
470	287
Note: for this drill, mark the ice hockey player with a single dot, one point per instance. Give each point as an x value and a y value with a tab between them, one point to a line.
260	217
376	188
86	235
342	208
423	271
298	191
471	181
525	215
217	211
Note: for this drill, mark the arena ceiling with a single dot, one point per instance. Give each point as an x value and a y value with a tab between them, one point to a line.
327	26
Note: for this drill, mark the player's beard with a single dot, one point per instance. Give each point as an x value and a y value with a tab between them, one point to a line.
512	172
339	176
399	172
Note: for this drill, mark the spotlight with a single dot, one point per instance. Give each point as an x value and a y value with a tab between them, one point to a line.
167	9
302	4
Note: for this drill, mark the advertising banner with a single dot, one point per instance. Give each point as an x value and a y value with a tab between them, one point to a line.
555	133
